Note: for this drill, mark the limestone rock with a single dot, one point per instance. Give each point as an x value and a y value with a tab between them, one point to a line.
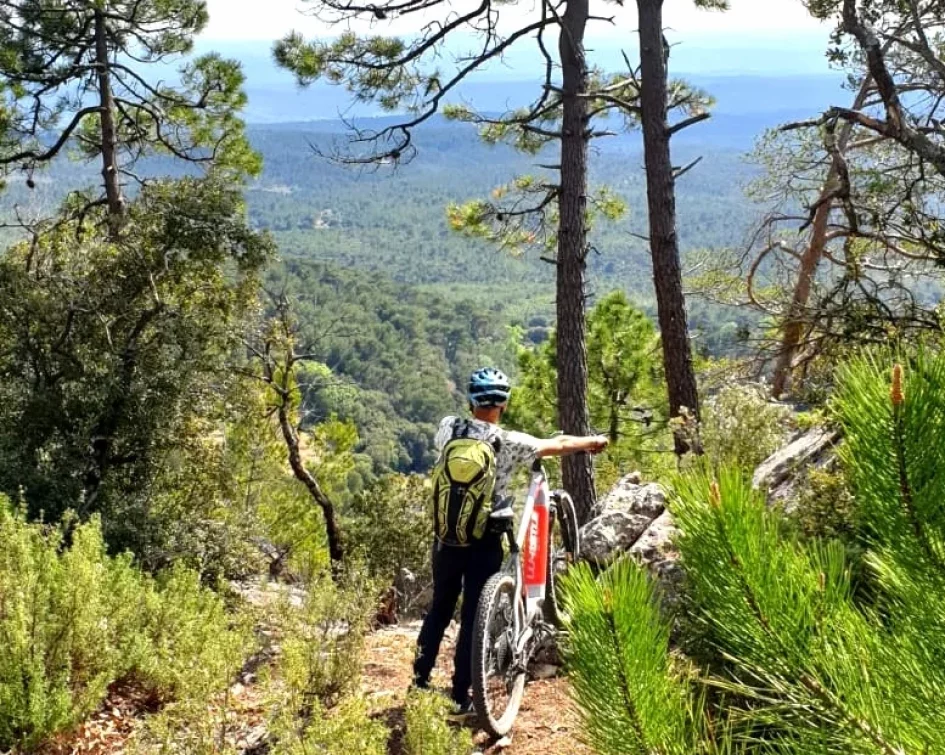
630	495
610	534
779	473
655	543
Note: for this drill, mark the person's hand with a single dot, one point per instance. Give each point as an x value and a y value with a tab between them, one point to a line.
598	443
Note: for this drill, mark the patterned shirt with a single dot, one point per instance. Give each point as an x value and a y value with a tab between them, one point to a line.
515	449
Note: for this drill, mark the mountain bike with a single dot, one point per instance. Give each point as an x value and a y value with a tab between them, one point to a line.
520	606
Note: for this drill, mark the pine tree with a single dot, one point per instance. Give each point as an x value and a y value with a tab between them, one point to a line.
82	73
804	659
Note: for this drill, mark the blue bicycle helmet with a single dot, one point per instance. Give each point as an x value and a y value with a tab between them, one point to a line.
489	387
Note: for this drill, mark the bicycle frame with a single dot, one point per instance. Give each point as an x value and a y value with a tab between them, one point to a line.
528	556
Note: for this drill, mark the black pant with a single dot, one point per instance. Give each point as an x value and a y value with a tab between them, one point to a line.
455	570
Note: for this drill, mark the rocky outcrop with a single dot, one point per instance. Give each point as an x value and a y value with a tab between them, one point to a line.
780	474
633	518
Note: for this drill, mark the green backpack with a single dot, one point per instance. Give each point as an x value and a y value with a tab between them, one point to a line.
463	483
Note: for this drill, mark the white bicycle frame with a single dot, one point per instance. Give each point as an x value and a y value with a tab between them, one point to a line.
530	541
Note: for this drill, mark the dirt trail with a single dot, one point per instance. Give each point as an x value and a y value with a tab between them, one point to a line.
547	722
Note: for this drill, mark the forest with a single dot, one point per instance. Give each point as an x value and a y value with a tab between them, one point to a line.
226	347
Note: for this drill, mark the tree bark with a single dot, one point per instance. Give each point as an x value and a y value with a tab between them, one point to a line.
577	470
110	174
664	245
336	551
810	260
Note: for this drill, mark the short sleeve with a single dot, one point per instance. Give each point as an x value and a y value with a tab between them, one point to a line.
443	433
521	448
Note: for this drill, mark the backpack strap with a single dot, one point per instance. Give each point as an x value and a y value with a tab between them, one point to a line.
460	429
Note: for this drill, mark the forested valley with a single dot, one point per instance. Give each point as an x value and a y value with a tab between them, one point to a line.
226	347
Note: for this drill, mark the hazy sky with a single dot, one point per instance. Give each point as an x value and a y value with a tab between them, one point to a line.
765	37
247	20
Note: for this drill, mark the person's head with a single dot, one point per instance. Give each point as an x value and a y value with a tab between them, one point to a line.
488	393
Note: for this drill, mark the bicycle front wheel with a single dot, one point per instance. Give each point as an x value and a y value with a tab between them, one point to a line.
498	679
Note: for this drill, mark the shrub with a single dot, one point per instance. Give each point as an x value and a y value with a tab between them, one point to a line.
740	427
824	506
809	664
345	730
629	696
73	620
390	523
323	642
427	730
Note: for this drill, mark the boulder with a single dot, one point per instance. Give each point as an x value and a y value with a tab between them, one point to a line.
610	534
779	474
633	519
654	549
623	516
655	544
631	496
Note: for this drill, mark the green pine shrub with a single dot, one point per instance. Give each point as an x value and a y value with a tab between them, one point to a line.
428	731
631	697
73	620
805	663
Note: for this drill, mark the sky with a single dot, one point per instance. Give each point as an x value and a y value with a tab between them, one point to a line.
761	38
261	20
753	37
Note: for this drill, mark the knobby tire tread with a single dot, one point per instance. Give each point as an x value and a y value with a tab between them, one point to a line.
482	641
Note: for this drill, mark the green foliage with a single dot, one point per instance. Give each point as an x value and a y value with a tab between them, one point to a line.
111	351
324	641
623	378
803	661
630	696
74	620
389	525
48	53
347	729
398	358
740	427
427	730
825	507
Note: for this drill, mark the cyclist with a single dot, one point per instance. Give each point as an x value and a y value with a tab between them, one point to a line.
464	567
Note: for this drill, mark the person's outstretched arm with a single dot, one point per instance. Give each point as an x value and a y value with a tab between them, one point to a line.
562	445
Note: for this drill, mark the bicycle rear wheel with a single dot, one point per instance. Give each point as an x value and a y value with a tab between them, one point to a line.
498	680
563	548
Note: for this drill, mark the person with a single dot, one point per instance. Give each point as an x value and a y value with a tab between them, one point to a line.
465	568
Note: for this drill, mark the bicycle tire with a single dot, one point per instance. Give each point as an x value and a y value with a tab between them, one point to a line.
567	520
497	723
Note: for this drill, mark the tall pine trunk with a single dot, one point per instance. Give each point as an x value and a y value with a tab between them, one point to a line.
110	174
577	470
661	200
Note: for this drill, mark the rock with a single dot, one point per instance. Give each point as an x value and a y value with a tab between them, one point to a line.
611	533
654	549
266	593
631	496
778	474
623	515
655	544
543	671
